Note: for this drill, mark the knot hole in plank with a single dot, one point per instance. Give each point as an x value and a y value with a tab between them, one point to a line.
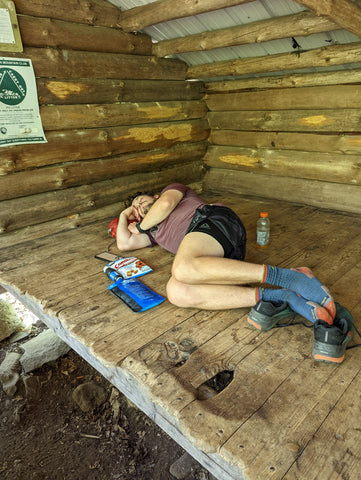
214	385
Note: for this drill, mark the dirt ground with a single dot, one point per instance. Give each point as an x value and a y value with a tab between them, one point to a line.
50	437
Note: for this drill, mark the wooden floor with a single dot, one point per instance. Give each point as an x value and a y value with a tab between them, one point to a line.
283	416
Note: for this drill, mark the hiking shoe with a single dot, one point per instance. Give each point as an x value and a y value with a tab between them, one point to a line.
331	340
264	315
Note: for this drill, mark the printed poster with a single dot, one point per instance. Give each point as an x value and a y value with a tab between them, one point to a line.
20	120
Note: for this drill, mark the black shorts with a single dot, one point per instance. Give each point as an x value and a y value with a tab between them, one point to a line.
224	225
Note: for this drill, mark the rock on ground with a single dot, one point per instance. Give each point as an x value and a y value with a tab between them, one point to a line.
9	372
44	348
89	396
9	321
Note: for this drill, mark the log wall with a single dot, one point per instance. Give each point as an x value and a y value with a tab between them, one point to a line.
116	119
294	143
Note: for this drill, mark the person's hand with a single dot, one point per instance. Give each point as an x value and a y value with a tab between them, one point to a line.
132	214
133	229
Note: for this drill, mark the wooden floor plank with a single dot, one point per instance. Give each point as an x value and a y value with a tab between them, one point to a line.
277	434
280	407
177	345
334	449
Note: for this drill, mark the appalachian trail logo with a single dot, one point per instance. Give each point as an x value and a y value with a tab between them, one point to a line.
12	87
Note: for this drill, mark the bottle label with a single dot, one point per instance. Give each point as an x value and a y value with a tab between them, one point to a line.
262	238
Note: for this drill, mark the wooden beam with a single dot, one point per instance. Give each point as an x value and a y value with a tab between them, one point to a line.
136	18
326	167
87	144
346	144
65	117
343	12
318	57
340	96
300	24
310	192
31	210
284	81
92	12
47	32
60	177
62	91
333	120
50	62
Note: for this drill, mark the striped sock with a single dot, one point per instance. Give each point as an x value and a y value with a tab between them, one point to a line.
302	281
310	310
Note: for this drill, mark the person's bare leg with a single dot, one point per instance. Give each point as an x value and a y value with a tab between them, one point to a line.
210	297
200	260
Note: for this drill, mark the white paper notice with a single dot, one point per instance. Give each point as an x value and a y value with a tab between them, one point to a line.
20	120
6	28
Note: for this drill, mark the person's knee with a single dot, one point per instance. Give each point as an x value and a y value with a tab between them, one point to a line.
184	270
179	294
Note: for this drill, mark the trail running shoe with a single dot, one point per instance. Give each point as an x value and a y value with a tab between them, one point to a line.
331	340
264	315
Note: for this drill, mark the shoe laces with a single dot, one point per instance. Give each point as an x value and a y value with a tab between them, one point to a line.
358	344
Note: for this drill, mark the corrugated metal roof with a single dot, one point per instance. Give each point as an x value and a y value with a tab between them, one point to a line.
239	15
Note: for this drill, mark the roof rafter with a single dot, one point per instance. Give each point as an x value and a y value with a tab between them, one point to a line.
345	13
319	57
136	18
300	24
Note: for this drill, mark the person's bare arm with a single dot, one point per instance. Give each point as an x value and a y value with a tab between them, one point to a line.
126	239
161	209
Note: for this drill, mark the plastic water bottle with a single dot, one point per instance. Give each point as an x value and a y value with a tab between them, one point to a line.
263	230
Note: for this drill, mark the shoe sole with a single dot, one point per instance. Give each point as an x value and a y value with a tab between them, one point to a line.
333	354
264	323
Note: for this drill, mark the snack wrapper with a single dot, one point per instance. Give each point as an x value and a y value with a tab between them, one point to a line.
129	267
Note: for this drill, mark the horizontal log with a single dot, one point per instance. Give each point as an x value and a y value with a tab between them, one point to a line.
64	117
59	177
94	90
47	32
336	196
347	144
31	210
48	62
328	167
75	145
291	80
344	12
300	24
330	97
345	120
318	57
71	222
137	18
93	12
51	227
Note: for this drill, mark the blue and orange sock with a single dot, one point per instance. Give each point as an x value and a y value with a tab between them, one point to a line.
308	309
302	281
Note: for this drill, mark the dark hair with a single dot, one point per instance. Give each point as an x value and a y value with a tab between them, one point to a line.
131	197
